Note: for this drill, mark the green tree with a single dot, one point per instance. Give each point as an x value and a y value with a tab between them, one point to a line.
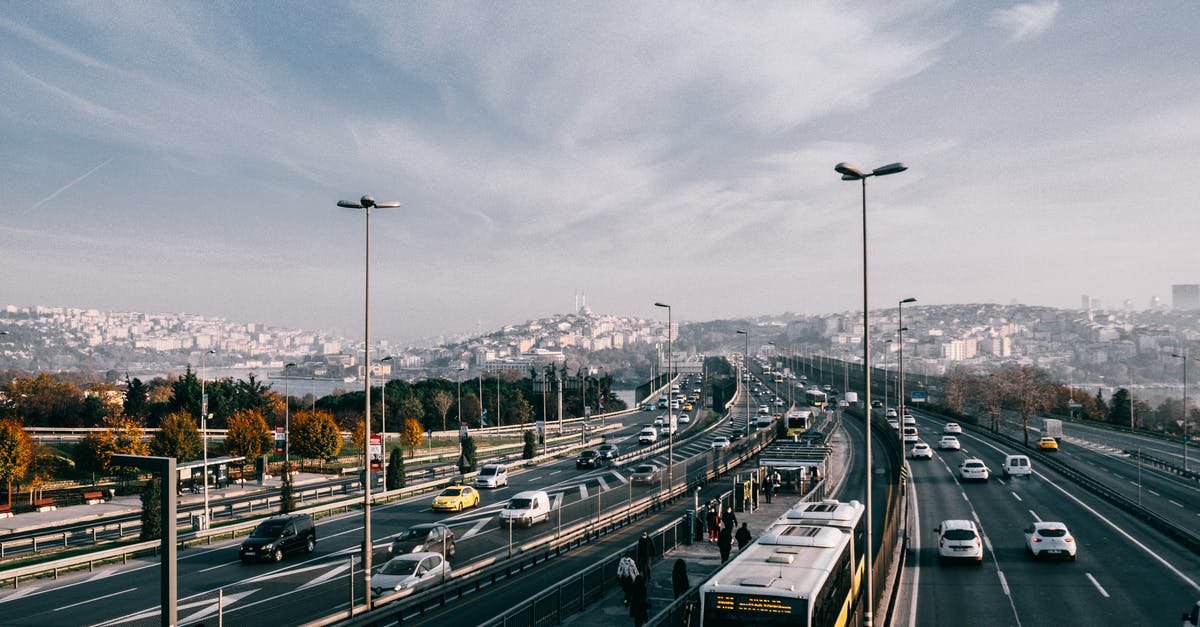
287	491
93	453
411	435
529	451
395	470
152	510
185	393
44	401
467	461
519	409
315	435
16	453
177	437
137	398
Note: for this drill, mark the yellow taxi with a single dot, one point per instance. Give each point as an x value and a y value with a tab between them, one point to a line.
1047	444
455	498
695	396
688	407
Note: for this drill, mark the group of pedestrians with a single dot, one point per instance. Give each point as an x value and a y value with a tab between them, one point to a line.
633	573
723	529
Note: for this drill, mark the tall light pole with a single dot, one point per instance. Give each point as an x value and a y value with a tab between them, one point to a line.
204	433
383	404
458	379
287	418
1184	357
670	409
746	373
903	399
366	203
850	173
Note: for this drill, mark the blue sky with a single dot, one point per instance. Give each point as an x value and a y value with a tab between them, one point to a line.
188	156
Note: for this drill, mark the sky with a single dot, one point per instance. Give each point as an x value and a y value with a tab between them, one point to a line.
188	156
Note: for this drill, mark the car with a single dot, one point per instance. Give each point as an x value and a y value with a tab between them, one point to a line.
643	474
959	540
608	450
763	409
660	421
688	407
920	450
909	420
455	498
949	443
492	476
893	423
526	508
1047	444
425	537
277	536
890	412
779	402
910	435
685	419
951	428
648	435
720	442
1015	465
973	468
1050	538
843	403
589	458
647	406
410	573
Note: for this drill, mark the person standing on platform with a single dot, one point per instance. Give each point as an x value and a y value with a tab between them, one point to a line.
729	519
645	553
769	488
639	601
714	523
725	543
679	578
743	537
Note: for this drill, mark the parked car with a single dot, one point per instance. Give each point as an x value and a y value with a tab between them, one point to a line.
277	536
526	508
455	498
959	539
1050	538
410	573
492	476
952	428
1047	444
949	443
920	450
1015	465
973	468
643	474
608	450
589	458
425	537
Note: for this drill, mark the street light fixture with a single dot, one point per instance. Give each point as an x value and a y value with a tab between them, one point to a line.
1184	357
204	433
900	333
366	203
670	409
851	173
287	418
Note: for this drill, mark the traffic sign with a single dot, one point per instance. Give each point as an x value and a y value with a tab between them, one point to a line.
375	450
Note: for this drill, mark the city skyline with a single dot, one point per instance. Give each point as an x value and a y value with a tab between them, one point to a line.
180	157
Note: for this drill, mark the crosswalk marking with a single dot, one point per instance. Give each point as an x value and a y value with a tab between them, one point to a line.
474	529
603	484
583	492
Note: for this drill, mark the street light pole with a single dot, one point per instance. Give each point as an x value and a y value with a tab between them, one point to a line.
746	373
903	399
1184	357
366	203
850	173
670	409
204	434
458	380
287	418
886	378
383	405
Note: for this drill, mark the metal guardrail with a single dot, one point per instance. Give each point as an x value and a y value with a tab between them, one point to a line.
1163	464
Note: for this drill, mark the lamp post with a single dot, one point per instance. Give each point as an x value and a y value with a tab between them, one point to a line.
850	173
458	379
204	433
903	400
366	203
670	409
383	405
1184	357
746	373
886	377
287	418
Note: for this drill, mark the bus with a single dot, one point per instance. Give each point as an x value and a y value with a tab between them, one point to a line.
778	377
766	371
806	569
799	421
815	397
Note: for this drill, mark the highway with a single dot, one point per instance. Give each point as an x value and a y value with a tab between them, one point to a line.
1126	572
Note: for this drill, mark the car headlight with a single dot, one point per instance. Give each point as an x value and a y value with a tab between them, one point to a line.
417	549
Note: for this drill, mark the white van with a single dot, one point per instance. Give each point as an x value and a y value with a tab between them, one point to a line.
762	422
648	435
492	476
1016	465
526	508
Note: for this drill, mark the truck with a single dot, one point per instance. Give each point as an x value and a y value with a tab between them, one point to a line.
851	398
1052	427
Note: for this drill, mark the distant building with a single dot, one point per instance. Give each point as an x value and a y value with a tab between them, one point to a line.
1185	297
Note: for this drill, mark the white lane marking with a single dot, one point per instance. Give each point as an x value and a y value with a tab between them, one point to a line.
976	517
474	529
557	499
583	493
1133	483
603	484
554	473
65	607
1015	496
1001	481
1035	516
1153	492
988	542
1004	583
1097	584
620	477
1172	501
327	575
964	495
205	570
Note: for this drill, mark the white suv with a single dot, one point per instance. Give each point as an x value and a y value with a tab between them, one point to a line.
959	539
973	468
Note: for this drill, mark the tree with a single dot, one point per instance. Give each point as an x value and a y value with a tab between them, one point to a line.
93	453
248	435
519	408
1028	392
395	470
152	510
43	467
16	453
44	401
466	461
411	407
411	435
177	437
315	435
442	402
529	451
958	384
137	398
185	393
358	434
287	491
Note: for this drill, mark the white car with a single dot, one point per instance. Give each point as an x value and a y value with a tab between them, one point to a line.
920	450
410	573
1050	538
720	442
949	443
893	423
910	420
890	412
959	539
648	435
951	427
910	435
973	468
684	419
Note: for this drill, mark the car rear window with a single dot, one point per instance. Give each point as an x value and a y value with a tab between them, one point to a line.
959	534
1052	532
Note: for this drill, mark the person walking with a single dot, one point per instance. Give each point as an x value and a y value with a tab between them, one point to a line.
679	578
769	488
713	522
639	601
725	543
627	572
729	519
743	536
645	553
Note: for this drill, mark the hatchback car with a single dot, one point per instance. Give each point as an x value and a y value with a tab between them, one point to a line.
1050	538
959	539
589	458
426	537
952	427
949	443
909	420
920	450
492	476
910	435
409	573
973	469
1047	444
684	419
720	442
277	536
643	474
455	499
609	450
893	423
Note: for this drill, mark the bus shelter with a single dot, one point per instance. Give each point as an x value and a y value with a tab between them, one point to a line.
191	475
794	465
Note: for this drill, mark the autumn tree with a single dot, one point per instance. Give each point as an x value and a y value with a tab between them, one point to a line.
411	435
442	402
411	407
958	386
315	435
44	401
358	433
177	437
92	453
44	466
1027	390
16	453
248	435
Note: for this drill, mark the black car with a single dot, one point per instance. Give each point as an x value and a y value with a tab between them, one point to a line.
589	459
433	537
279	535
609	450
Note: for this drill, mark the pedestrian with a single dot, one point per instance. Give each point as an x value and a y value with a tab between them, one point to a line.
754	493
729	520
714	523
627	572
743	537
778	480
769	487
645	553
639	601
679	578
725	543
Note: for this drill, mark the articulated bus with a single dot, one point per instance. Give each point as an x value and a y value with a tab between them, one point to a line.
815	397
799	421
807	569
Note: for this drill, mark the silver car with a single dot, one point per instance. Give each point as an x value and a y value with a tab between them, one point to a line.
643	473
409	573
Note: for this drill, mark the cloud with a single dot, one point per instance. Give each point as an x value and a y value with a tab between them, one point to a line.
1026	21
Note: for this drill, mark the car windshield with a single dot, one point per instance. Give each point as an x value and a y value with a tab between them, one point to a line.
400	567
451	492
414	533
588	454
959	534
521	503
1052	532
487	470
644	469
269	529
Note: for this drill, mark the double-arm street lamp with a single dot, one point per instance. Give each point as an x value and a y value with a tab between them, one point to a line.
851	173
366	203
900	333
1185	358
670	408
287	418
